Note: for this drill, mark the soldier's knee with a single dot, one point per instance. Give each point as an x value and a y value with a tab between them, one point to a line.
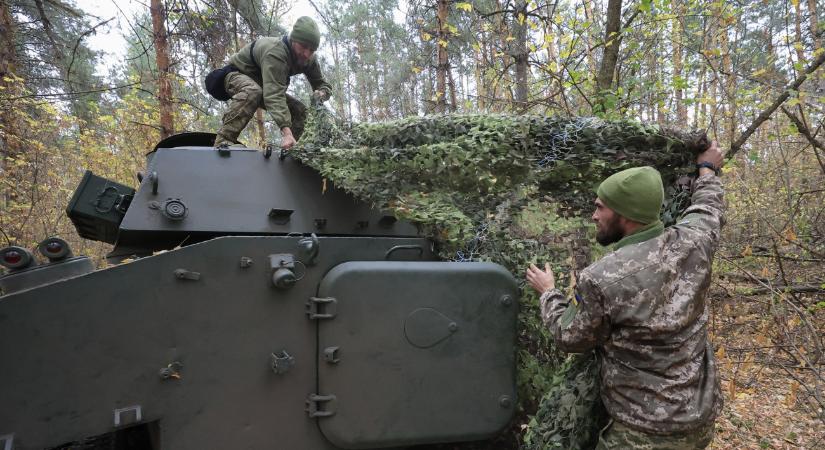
254	94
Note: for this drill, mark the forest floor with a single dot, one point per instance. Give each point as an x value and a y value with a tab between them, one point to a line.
762	347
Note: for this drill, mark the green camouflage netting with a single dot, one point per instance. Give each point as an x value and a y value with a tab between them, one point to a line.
513	190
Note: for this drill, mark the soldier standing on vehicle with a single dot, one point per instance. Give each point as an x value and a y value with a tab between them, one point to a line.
258	76
643	308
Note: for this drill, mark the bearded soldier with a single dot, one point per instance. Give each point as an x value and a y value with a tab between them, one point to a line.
258	77
643	308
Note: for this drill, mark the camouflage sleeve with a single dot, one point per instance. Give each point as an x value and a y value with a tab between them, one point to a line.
316	78
577	324
707	209
273	73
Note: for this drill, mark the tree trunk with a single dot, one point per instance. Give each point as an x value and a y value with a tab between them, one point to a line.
521	55
678	26
812	18
800	50
604	79
588	14
8	54
480	66
443	64
167	125
9	85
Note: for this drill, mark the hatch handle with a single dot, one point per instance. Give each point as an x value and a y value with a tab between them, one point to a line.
153	178
314	402
405	247
321	308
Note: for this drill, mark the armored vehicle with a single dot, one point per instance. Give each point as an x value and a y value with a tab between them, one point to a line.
254	306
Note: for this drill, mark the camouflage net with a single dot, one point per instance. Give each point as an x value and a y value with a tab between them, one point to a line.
513	190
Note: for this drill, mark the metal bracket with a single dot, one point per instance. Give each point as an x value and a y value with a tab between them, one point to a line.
321	308
123	203
153	178
309	247
183	274
280	216
8	441
314	405
417	248
331	355
387	221
121	411
281	362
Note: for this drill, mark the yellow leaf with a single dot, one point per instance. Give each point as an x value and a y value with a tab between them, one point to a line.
442	43
465	6
747	251
426	36
790	399
790	235
795	3
521	18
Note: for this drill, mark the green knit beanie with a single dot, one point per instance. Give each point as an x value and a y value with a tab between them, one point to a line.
306	32
636	194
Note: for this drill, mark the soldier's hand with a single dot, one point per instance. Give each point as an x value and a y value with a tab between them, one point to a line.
712	155
541	280
287	140
320	95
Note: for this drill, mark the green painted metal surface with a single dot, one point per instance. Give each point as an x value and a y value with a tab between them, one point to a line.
425	352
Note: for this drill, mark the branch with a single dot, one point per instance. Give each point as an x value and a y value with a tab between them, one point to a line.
69	94
766	114
805	131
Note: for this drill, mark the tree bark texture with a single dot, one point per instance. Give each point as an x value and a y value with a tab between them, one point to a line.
167	125
678	28
521	55
442	62
604	79
8	53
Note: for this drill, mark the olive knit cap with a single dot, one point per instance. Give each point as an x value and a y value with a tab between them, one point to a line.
306	32
636	194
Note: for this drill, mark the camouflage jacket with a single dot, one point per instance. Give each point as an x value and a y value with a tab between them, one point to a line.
643	308
272	66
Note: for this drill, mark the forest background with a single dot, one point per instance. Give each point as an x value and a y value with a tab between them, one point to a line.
748	71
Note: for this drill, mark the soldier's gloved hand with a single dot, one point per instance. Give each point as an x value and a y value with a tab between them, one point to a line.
320	96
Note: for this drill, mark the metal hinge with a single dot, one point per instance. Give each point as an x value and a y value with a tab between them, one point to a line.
321	308
315	407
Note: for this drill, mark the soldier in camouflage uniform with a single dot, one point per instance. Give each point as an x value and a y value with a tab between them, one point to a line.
261	77
642	307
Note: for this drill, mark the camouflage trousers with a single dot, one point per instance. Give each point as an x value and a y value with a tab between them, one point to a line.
617	436
247	97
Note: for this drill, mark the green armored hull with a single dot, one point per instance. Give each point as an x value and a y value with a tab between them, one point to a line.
258	307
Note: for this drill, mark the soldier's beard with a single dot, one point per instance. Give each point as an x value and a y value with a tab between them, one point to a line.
610	232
